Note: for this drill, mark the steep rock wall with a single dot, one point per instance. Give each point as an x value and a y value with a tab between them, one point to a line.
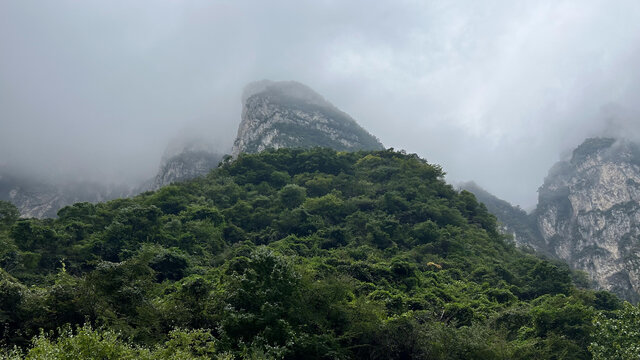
289	114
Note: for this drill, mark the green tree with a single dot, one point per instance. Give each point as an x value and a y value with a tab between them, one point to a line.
8	213
292	196
258	296
617	337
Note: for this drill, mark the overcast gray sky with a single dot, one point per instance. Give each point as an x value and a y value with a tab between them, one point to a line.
494	91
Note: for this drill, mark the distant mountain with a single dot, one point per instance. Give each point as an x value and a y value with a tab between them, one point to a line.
42	199
291	115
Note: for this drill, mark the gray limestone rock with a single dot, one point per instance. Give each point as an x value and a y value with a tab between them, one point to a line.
589	213
289	114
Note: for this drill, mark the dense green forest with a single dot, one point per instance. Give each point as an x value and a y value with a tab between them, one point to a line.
312	254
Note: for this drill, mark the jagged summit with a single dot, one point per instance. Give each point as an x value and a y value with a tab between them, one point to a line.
290	114
186	158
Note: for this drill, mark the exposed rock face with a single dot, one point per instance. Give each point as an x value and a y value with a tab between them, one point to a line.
289	114
589	213
185	166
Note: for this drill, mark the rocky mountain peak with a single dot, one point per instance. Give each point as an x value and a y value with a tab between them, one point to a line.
292	90
290	114
186	157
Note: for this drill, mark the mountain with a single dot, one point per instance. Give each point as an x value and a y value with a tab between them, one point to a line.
42	199
291	115
288	254
589	213
274	115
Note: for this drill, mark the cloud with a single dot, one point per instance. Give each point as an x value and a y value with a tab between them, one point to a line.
494	91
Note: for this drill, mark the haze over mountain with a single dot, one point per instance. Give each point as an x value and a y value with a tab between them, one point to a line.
274	115
492	91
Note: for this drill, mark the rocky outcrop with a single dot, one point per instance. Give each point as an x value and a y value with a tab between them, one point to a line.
185	166
289	114
589	213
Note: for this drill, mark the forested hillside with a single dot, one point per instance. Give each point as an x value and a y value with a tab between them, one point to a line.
289	254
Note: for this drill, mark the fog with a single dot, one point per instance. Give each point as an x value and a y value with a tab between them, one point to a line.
494	91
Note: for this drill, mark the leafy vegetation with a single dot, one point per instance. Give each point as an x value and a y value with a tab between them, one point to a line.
288	254
617	337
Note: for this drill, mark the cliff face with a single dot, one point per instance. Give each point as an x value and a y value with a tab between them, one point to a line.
589	213
289	114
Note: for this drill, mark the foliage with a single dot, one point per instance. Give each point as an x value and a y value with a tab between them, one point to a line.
8	213
288	254
618	336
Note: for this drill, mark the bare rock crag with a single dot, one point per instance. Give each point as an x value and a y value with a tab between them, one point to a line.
589	213
290	114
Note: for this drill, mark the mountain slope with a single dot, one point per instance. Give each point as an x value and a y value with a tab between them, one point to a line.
293	254
290	114
513	220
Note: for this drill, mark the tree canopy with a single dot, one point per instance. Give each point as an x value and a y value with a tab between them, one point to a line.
289	254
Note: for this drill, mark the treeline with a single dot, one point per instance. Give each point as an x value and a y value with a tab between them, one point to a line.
289	254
